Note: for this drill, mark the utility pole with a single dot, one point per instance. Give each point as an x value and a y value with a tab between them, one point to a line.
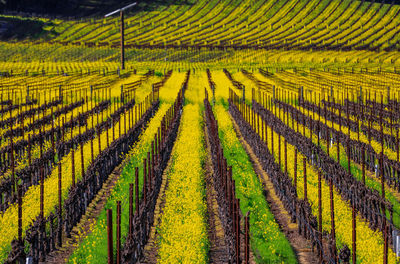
121	14
122	30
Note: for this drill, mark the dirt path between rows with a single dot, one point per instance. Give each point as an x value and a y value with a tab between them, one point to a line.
301	246
218	253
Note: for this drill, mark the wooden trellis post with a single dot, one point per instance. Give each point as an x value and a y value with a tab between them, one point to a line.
113	128
354	236
41	193
328	139
262	130
338	146
59	238
149	173
118	232
124	122
363	163
12	164
332	217
237	230
29	150
348	155
385	235
286	165
272	139
340	118
52	131
246	239
137	189
305	177
99	138
130	232
279	149
41	142
19	214
295	170
320	214
73	166
397	144
82	158
144	180
109	237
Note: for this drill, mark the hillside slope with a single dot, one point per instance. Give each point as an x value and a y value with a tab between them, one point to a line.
277	24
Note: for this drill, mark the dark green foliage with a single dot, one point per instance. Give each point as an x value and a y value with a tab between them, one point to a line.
80	8
15	28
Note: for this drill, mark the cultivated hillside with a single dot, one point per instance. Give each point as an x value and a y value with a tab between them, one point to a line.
277	24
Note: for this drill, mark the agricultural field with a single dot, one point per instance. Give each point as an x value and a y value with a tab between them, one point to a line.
256	131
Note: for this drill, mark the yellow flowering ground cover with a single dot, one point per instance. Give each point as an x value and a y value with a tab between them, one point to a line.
21	162
375	144
93	248
183	230
369	243
30	208
373	183
183	236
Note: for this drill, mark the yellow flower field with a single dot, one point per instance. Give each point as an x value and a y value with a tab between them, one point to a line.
183	228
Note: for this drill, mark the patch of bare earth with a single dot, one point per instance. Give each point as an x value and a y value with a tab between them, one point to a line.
218	253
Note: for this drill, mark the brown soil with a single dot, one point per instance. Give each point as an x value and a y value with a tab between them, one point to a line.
301	246
218	253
